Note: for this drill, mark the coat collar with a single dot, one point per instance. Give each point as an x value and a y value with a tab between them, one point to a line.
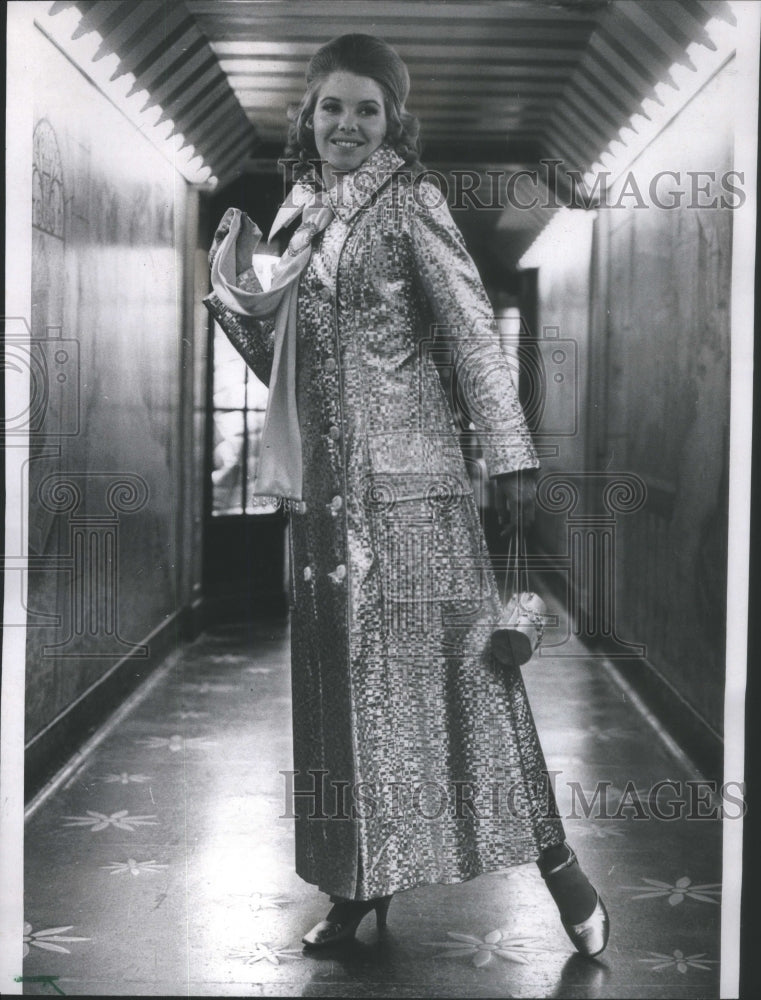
348	195
354	191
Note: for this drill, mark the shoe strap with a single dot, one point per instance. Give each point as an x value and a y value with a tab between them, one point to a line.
572	860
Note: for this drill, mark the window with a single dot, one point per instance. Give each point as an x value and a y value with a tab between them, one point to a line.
239	401
510	328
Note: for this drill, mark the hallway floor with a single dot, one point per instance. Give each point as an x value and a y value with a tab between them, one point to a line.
162	864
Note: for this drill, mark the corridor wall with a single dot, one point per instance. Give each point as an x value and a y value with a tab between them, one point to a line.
113	485
647	305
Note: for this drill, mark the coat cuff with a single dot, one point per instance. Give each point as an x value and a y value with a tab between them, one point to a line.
510	458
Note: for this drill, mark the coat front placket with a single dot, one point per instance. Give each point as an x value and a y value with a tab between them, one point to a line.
326	846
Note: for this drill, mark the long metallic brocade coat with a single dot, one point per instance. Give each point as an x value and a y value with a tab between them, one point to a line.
417	750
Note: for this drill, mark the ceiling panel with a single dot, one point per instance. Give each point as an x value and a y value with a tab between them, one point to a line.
508	81
568	74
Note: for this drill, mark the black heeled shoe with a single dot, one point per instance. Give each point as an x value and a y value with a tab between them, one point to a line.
343	920
590	936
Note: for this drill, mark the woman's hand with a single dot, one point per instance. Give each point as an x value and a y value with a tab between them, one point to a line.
248	238
516	500
222	230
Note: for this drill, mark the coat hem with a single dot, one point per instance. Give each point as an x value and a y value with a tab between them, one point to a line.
455	879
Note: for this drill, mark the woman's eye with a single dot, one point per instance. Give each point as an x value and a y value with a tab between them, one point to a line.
369	111
330	107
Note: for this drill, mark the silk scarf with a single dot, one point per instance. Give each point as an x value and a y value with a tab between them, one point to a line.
279	469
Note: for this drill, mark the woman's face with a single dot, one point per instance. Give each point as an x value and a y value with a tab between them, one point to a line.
349	120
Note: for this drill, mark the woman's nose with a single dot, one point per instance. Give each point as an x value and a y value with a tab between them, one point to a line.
348	121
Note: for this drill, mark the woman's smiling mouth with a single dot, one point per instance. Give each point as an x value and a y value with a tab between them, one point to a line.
347	143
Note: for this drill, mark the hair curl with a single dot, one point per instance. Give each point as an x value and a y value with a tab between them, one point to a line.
362	55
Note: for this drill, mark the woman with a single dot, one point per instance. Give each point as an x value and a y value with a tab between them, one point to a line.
416	754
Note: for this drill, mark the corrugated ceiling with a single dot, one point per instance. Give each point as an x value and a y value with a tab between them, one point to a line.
509	81
161	43
505	83
491	82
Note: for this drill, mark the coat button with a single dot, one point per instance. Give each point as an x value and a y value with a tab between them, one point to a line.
338	573
325	294
334	432
307	573
330	365
335	505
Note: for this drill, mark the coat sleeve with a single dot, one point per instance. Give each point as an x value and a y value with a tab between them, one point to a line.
253	339
464	316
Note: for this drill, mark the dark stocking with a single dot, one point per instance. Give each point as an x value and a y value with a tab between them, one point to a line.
345	911
574	896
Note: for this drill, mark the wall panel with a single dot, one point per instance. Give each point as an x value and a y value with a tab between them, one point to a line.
106	316
657	404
